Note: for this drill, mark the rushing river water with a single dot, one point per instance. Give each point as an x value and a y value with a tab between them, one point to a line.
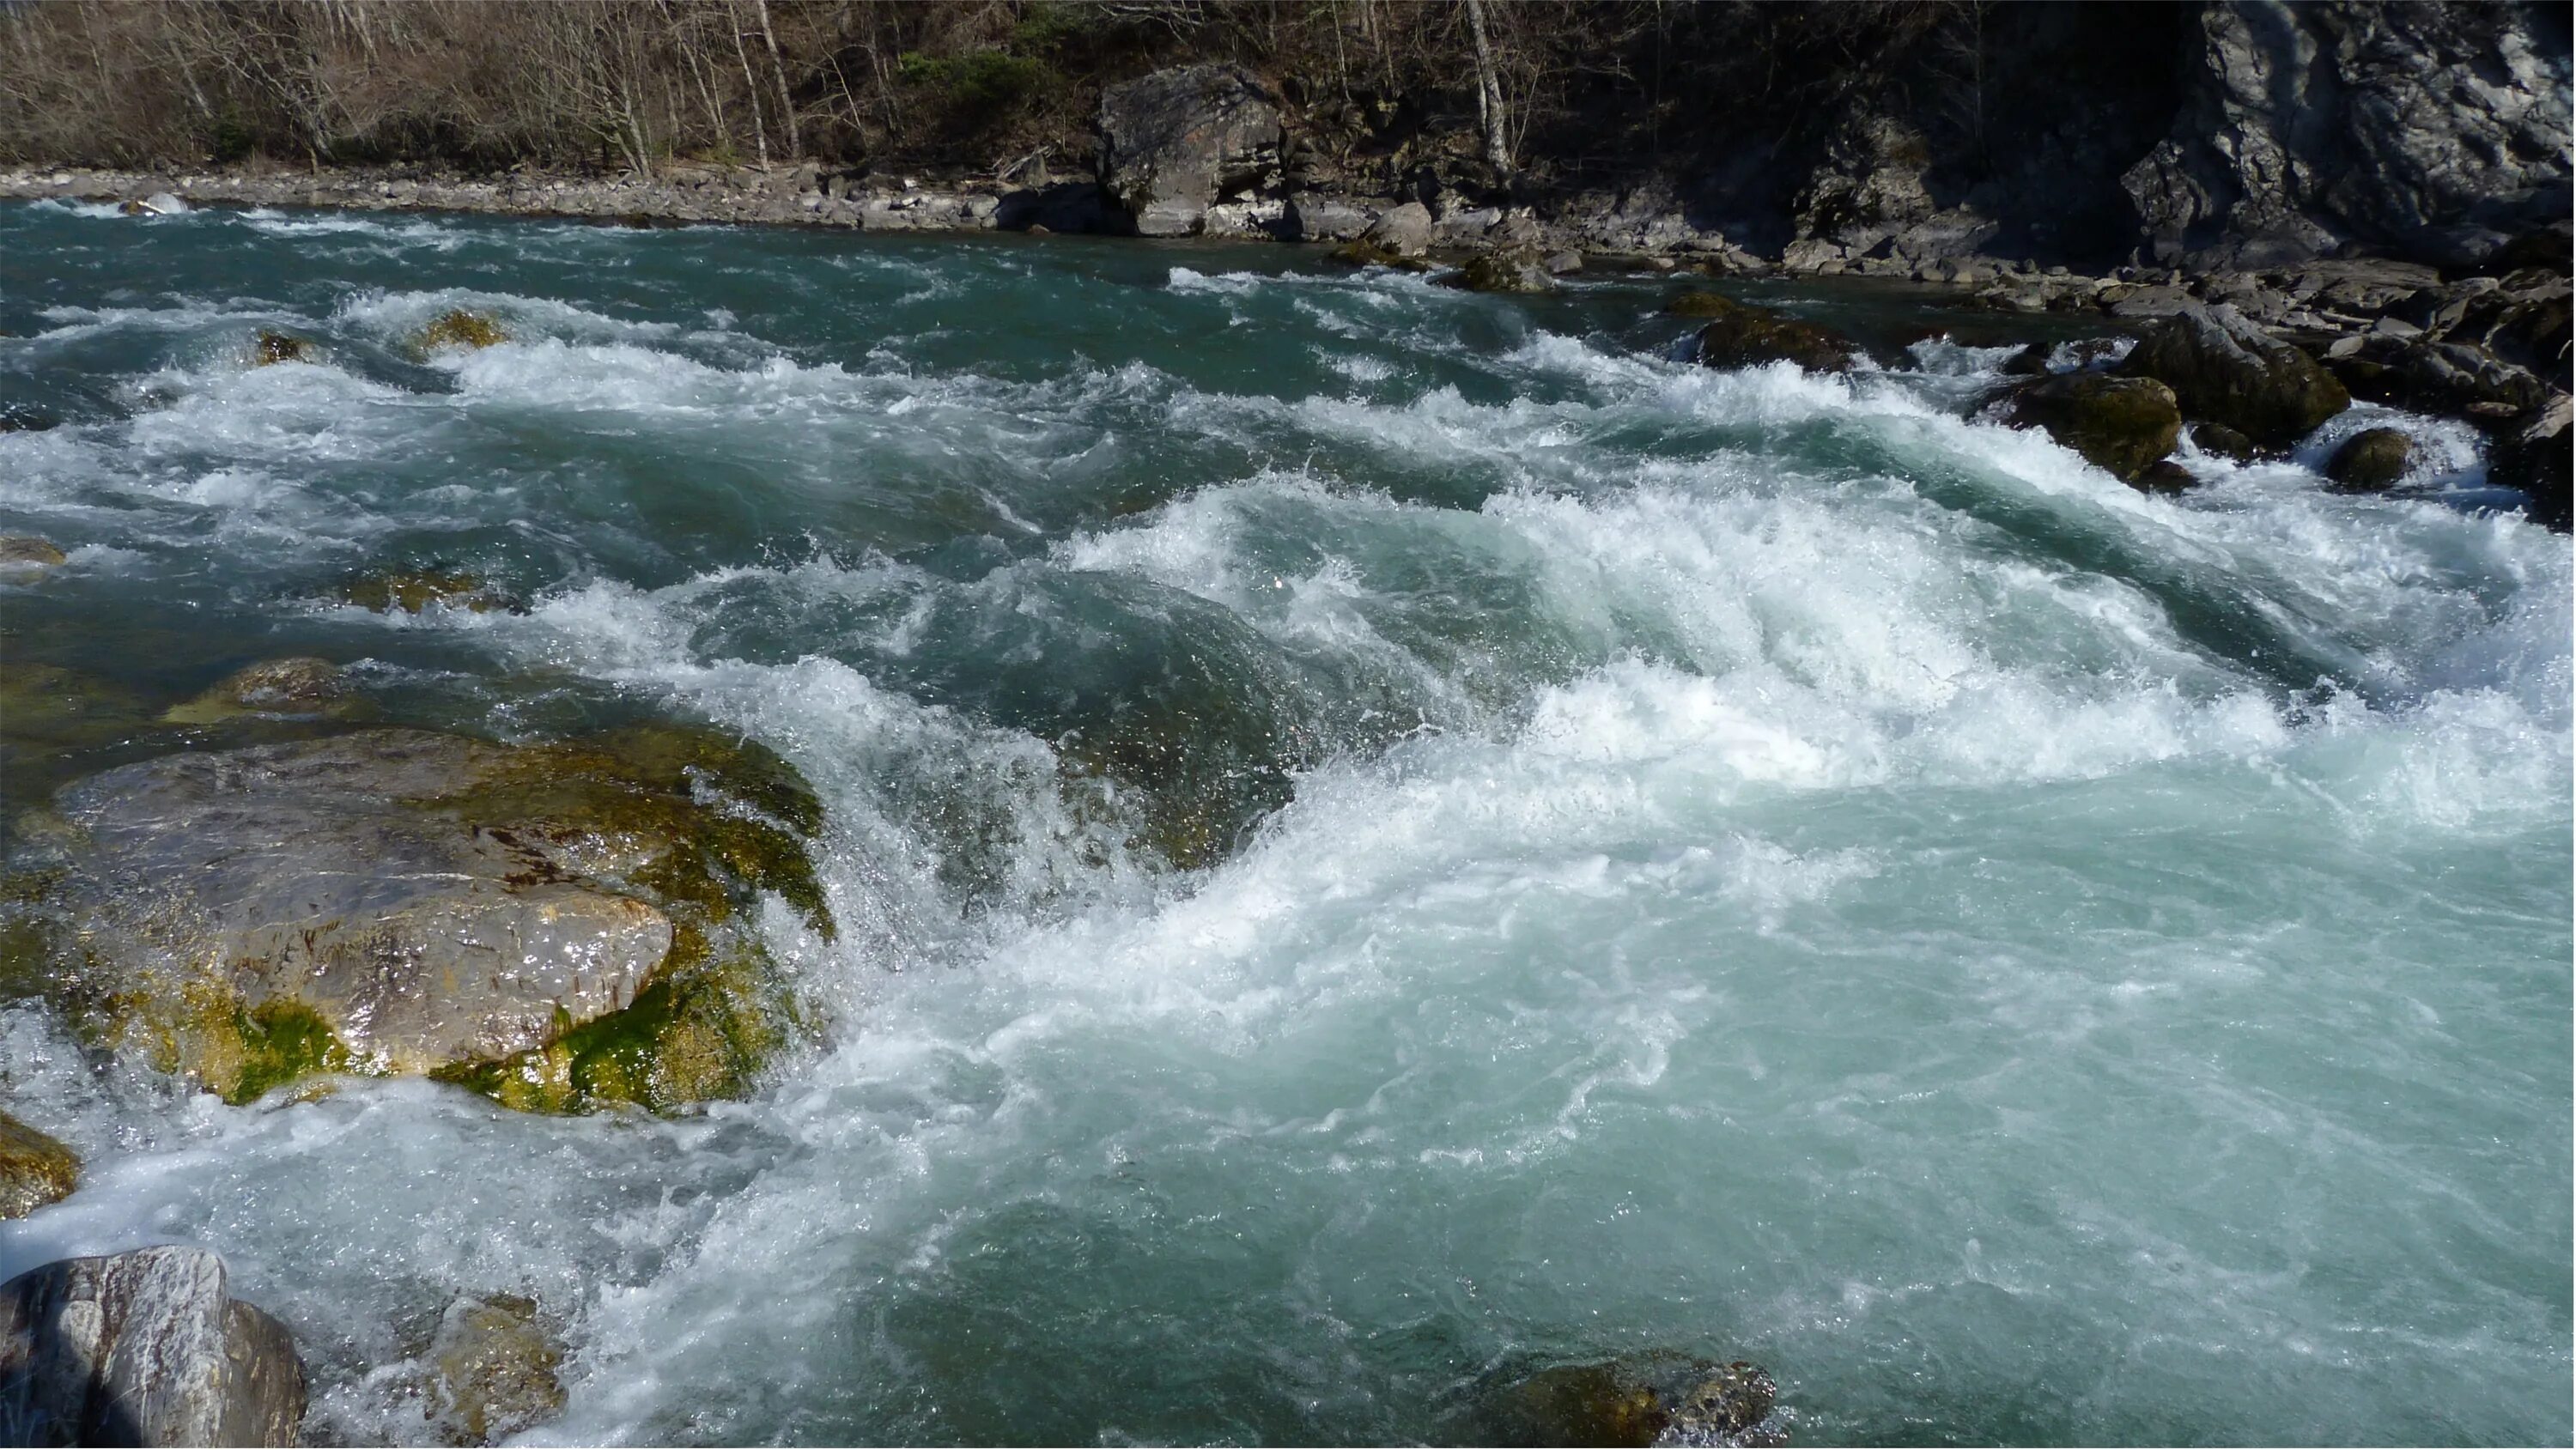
1741	864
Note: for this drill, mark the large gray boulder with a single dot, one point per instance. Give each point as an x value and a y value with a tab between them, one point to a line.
2441	130
1176	140
143	1348
404	902
2225	369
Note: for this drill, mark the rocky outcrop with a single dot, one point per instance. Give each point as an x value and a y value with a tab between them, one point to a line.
1741	335
143	1348
1175	141
35	1169
548	924
2440	131
2225	369
2120	425
1404	230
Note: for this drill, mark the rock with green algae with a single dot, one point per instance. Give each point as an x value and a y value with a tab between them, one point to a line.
460	328
414	590
27	552
1505	269
35	1169
492	1370
2120	425
1741	335
302	686
403	902
270	348
1375	254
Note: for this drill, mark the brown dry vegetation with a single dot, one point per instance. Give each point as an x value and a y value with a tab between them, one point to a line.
994	85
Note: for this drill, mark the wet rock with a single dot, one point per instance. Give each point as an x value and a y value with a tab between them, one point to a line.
1513	270
493	1369
2224	368
143	1348
2030	362
2372	459
412	591
2164	476
26	552
2534	457
2224	442
300	686
1563	264
550	925
1740	335
1176	140
1370	254
1404	230
460	328
2120	425
1699	304
1660	1400
278	347
35	1169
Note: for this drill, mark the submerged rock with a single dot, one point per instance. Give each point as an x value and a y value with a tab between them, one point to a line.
35	1169
2372	459
1741	335
2224	368
143	1348
2120	425
414	590
25	551
1371	254
460	328
279	347
493	1370
549	925
1660	1400
299	686
1517	269
2164	476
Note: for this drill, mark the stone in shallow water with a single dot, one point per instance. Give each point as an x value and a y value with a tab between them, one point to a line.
1652	1400
299	686
414	590
493	1369
2372	459
143	1348
25	551
461	329
2120	425
35	1169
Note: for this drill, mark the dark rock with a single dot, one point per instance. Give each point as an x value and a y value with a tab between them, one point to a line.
1516	270
1740	335
413	590
2120	425
1370	254
2535	459
460	328
1656	1400
2225	369
35	1169
2030	362
143	1348
2224	442
2164	476
279	347
1174	141
2372	459
1560	264
1698	304
25	551
300	686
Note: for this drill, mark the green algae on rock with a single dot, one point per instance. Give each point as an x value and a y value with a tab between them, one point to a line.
493	1369
553	925
27	552
1659	1399
35	1168
301	686
413	590
2120	425
460	328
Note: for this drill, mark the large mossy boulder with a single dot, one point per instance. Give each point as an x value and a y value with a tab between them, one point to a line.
552	925
143	1348
2120	425
2224	368
1741	335
35	1169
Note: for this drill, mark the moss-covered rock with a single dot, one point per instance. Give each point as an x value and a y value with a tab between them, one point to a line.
35	1169
2224	368
460	328
270	348
1740	335
493	1370
1653	1400
2120	425
301	686
413	590
26	551
1505	269
554	925
2372	459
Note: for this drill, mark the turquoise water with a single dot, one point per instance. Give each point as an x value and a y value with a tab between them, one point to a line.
1754	864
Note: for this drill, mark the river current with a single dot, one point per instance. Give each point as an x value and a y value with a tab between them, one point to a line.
1741	864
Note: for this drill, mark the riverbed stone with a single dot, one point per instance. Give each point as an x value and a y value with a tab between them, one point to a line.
460	328
550	925
2219	440
2372	459
413	590
2120	425
35	1169
143	1348
2226	369
1659	1399
1404	230
301	686
493	1369
27	552
1514	269
271	348
1741	335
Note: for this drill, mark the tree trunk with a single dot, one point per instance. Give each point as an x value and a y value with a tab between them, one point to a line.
778	67
1489	92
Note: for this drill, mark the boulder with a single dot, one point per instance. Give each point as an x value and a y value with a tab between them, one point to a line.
2225	369
278	347
493	1370
302	686
1517	269
2164	476
1314	218
1655	1400
551	925
1696	303
2221	441
2120	425
143	1348
1404	230
413	590
1370	254
2372	459
1174	141
460	328
1741	335
2534	457
27	552
35	1169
